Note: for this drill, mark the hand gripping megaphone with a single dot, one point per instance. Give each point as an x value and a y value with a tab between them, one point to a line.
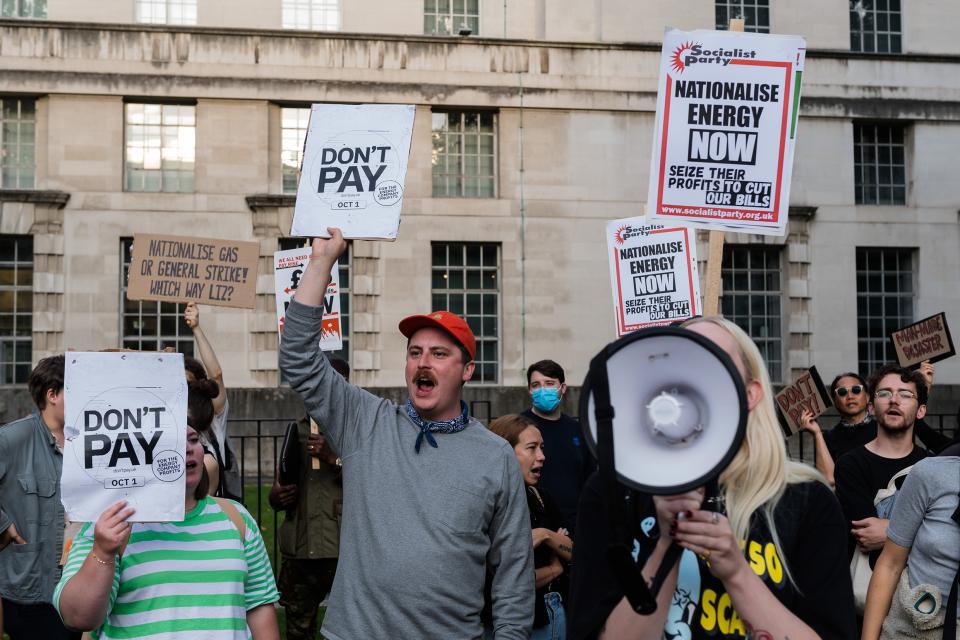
664	411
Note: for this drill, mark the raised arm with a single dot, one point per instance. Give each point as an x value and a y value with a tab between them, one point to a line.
207	356
825	463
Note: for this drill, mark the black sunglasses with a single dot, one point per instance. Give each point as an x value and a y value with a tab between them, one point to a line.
855	389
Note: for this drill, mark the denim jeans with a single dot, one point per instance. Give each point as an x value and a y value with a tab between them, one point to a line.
556	628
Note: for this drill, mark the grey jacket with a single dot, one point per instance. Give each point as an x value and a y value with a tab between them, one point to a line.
420	530
30	498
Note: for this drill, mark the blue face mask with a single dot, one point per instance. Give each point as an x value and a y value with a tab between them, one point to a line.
546	399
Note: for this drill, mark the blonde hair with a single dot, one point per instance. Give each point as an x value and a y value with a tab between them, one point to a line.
760	471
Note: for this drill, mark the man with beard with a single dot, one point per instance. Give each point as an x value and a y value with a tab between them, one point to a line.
899	400
432	500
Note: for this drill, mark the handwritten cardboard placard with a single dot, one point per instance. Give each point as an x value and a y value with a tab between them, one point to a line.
125	434
288	268
928	339
653	273
805	393
727	105
187	269
353	172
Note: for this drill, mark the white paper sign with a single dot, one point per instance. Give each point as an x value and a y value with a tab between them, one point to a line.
653	273
288	268
727	106
354	167
126	434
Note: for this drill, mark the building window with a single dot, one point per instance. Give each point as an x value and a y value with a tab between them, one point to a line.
884	302
447	17
880	174
149	325
161	141
293	131
464	154
18	133
23	9
315	15
875	26
752	298
346	260
16	308
754	13
466	281
166	11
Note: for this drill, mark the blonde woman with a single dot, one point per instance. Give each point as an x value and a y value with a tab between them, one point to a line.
774	565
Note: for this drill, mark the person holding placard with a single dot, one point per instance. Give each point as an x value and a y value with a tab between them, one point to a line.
207	575
432	500
770	565
32	519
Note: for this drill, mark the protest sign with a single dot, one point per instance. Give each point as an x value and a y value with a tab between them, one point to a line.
125	434
353	172
653	273
805	393
288	268
928	339
187	269
727	106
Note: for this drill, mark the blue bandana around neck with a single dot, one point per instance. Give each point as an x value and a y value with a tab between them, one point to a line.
428	427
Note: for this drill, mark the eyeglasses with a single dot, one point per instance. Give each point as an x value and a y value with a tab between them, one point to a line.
902	394
855	389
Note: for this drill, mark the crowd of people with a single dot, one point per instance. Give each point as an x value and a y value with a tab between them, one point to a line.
415	520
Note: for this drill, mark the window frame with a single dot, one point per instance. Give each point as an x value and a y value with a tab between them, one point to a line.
127	146
465	290
888	322
461	134
21	182
876	167
437	15
18	13
859	35
773	264
167	6
284	172
312	6
19	368
728	7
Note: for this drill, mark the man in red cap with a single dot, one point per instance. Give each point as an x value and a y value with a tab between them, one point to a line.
422	525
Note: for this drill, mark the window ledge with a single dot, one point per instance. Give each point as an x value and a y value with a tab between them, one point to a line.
802	213
268	200
35	196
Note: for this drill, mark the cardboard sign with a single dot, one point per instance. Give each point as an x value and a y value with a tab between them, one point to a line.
805	393
727	106
354	167
125	434
187	269
288	268
653	273
928	339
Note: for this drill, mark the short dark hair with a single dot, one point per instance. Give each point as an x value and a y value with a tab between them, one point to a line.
848	374
46	376
906	375
548	368
200	395
195	367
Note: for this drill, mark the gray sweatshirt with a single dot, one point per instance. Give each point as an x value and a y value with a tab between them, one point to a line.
419	530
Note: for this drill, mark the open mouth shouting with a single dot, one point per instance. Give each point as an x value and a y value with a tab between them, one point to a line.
425	382
535	471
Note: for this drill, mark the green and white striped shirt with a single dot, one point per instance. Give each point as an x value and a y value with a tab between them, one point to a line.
183	579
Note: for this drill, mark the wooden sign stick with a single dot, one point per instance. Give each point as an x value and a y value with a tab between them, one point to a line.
711	302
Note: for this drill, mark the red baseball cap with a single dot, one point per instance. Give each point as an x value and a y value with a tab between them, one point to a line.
453	324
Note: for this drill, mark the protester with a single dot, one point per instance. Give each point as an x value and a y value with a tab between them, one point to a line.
552	546
205	576
899	399
228	484
32	519
309	535
924	537
773	565
431	498
570	464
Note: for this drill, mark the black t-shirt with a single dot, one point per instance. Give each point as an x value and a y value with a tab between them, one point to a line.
859	474
547	516
844	438
811	530
568	463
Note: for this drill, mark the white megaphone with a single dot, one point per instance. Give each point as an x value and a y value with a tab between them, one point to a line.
664	411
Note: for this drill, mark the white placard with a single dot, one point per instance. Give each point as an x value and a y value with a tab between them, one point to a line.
126	434
288	268
653	273
727	105
353	172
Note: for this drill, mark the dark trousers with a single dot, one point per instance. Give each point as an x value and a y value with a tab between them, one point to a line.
303	585
32	621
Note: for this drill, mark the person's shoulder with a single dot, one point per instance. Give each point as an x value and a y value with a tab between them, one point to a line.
853	459
808	492
933	466
18	430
